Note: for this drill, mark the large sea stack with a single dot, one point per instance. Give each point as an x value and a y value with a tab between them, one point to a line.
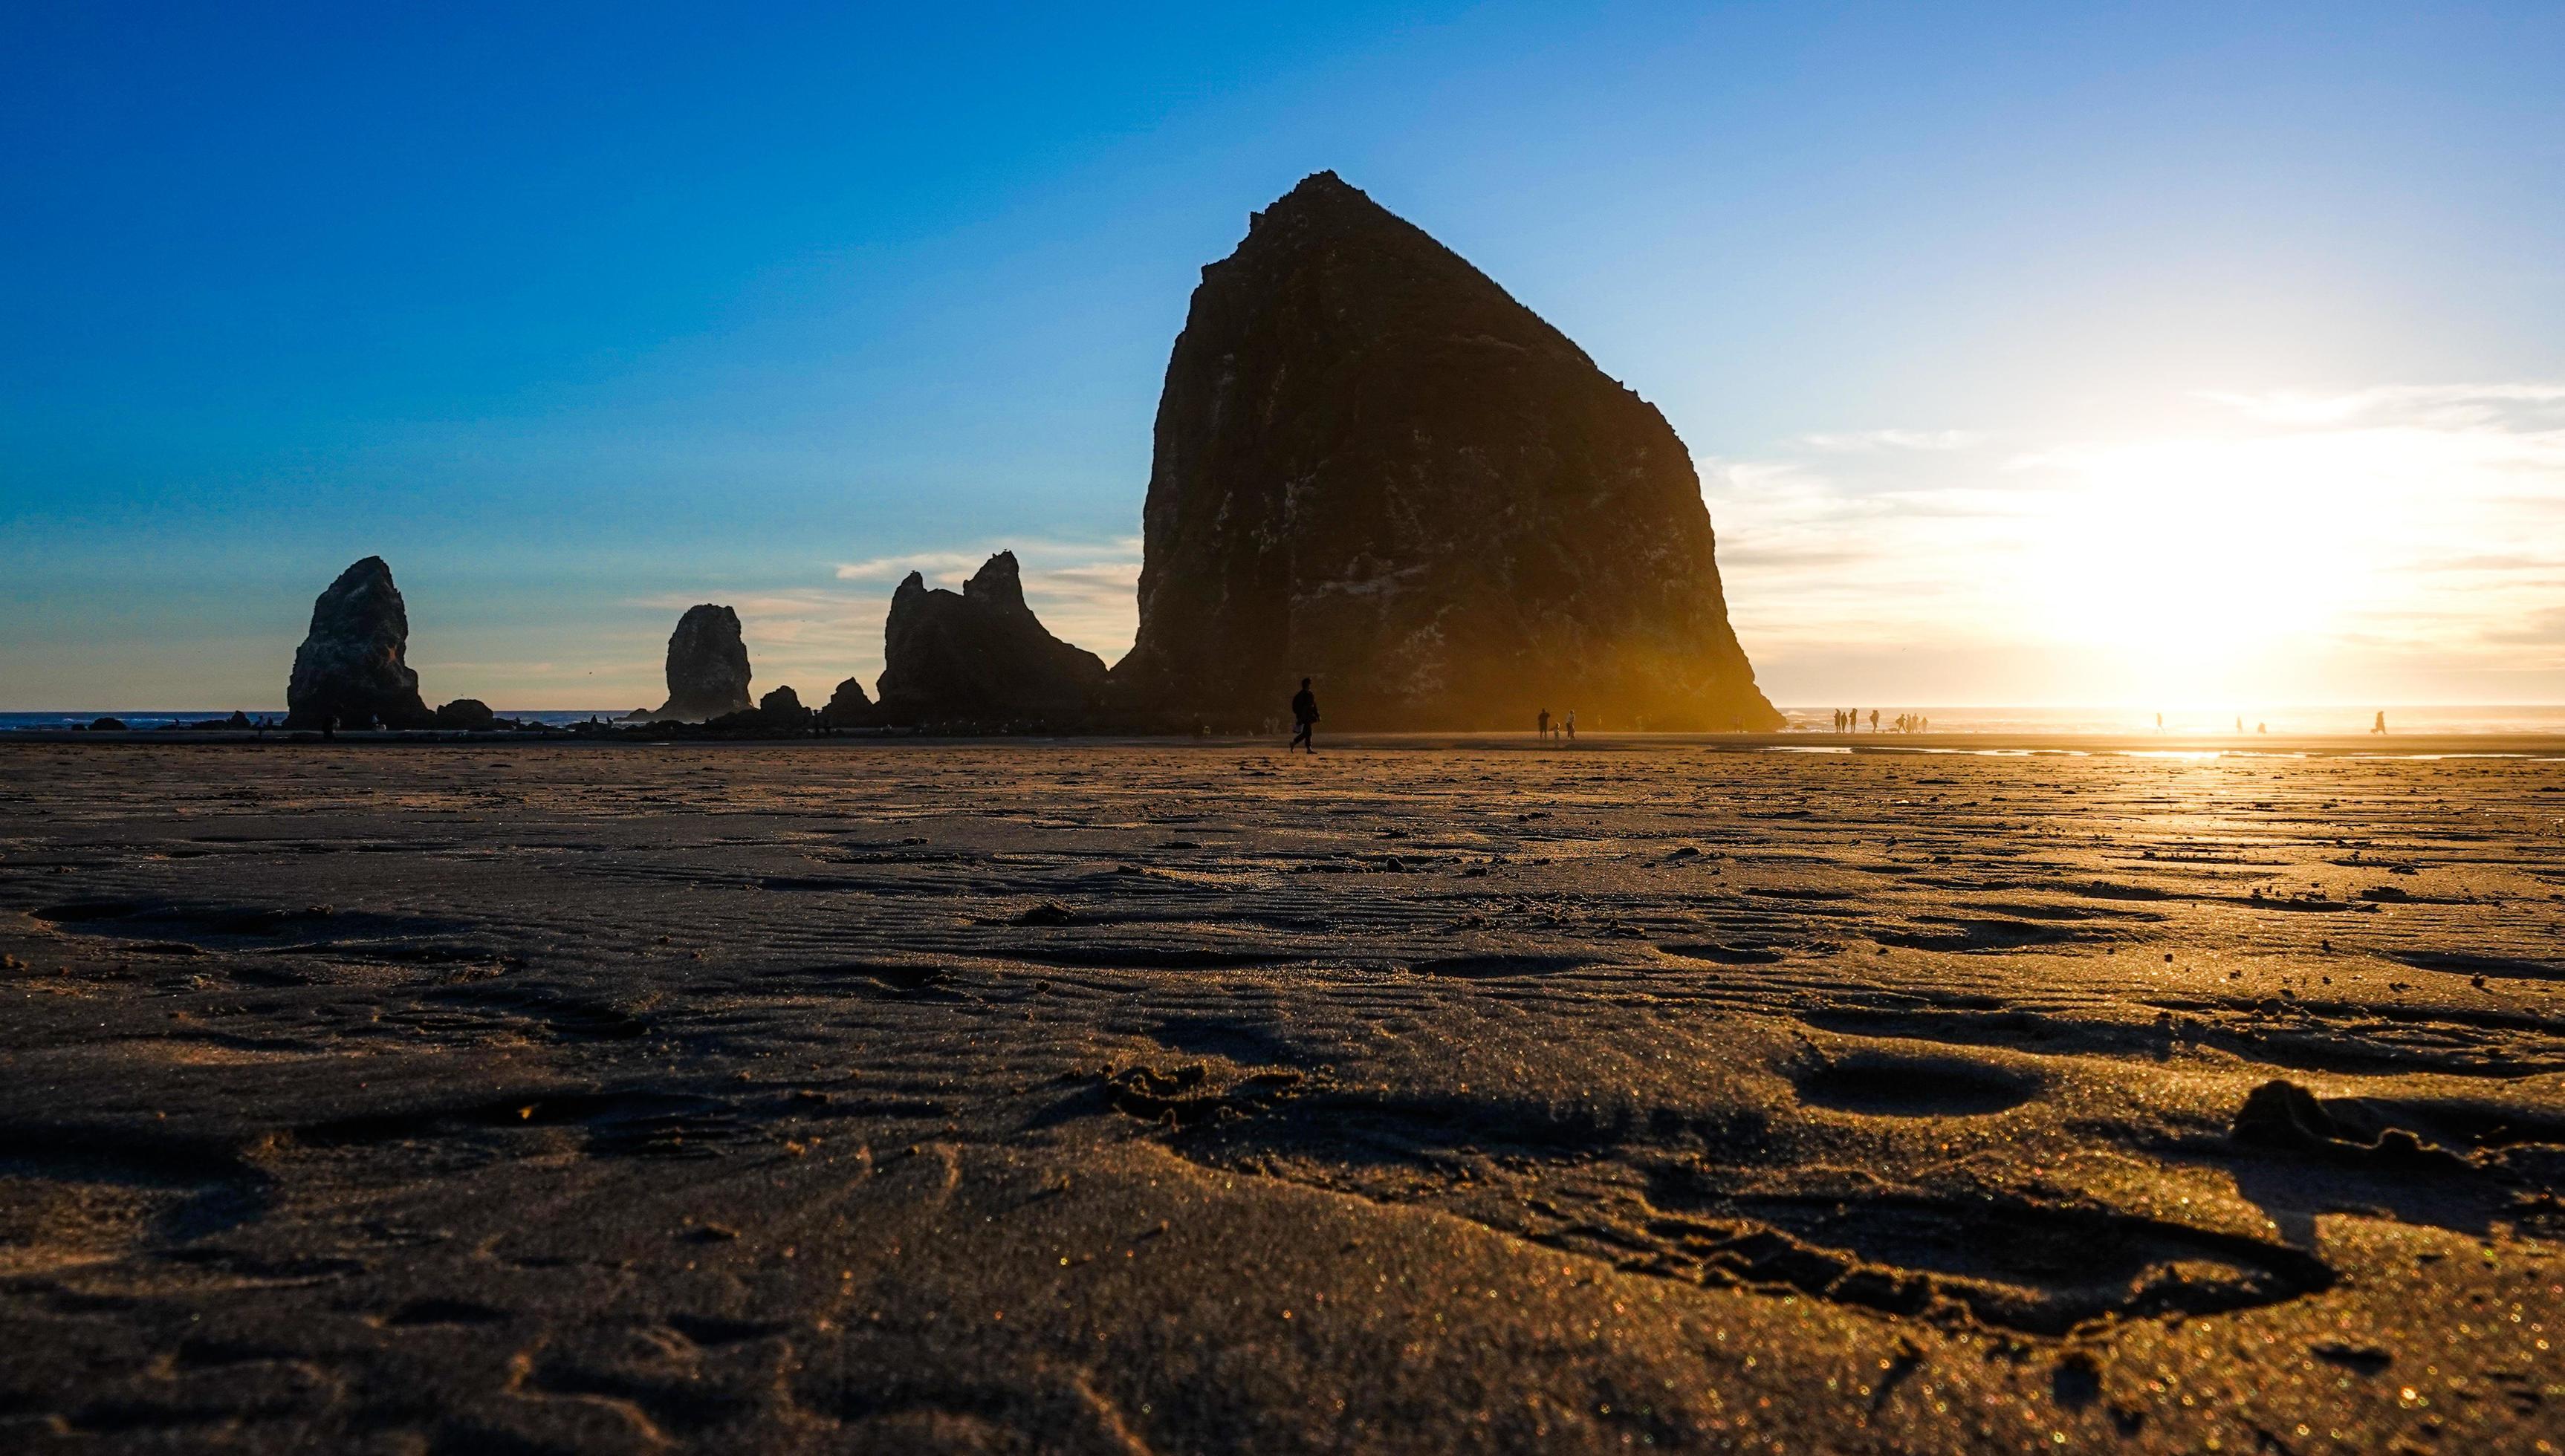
981	657
707	666
1374	467
350	670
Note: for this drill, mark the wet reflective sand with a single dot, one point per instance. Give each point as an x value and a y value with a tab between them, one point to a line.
1147	1096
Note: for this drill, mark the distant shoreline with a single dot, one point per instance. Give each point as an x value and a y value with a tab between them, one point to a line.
2173	748
1973	722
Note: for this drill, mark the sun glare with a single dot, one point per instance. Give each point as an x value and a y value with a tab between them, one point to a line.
2195	568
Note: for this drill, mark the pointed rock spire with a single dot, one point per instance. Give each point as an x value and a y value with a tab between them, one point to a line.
351	670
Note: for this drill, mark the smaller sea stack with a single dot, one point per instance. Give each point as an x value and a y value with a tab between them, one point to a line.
707	666
849	706
350	671
981	657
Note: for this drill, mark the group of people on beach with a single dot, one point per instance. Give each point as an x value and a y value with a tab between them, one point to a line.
1848	721
1304	720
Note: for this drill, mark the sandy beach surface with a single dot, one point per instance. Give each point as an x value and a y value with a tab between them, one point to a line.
865	1095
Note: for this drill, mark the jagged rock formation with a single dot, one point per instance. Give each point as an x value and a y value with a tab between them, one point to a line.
848	706
707	666
349	671
981	657
1373	466
781	709
777	711
466	713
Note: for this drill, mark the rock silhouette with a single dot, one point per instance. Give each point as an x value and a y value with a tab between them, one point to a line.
980	657
349	671
1375	468
466	713
780	711
707	666
848	706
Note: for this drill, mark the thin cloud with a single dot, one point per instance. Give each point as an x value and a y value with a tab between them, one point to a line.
937	564
956	564
2444	405
1859	441
1084	593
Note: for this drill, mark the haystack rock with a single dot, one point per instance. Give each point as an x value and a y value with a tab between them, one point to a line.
1373	466
980	657
707	666
349	671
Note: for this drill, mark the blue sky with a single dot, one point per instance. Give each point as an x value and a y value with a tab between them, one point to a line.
2030	353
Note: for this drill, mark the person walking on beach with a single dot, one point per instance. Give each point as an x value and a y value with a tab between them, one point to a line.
1572	725
1304	717
1544	724
1874	720
2380	726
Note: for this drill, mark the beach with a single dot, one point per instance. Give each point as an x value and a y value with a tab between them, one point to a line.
1797	1092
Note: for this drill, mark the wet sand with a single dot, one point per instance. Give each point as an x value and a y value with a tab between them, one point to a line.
1108	1097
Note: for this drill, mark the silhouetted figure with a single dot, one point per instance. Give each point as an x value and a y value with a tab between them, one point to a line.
1304	717
1572	725
1544	724
1874	720
2239	723
2261	728
1838	720
2380	726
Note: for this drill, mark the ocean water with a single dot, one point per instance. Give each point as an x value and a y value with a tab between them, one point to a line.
2279	719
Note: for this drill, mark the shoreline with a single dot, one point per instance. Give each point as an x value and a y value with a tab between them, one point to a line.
2187	745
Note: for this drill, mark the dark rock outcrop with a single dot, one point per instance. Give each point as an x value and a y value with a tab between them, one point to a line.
466	713
779	711
1375	468
848	706
980	657
349	671
707	666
